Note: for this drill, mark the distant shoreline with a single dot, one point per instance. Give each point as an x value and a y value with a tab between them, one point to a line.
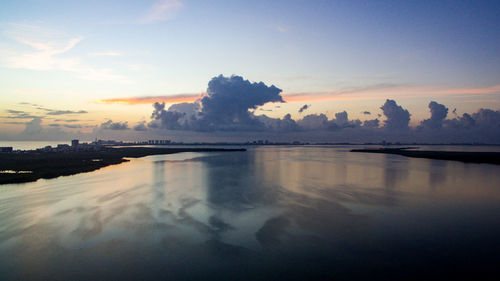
30	166
467	157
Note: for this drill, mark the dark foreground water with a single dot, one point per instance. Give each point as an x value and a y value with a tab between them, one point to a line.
271	213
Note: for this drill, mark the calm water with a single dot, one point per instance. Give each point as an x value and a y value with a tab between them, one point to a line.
271	213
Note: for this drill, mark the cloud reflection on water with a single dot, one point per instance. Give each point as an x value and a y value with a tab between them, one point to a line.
313	211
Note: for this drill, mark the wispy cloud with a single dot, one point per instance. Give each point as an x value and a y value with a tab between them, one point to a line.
161	11
50	52
28	103
44	58
19	114
152	99
383	91
29	92
371	92
341	94
487	90
67	120
280	28
69	126
140	67
13	122
107	54
486	101
66	112
47	113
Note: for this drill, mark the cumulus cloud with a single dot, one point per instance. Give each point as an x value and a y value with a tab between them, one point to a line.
341	121
487	118
371	123
397	118
304	107
230	104
279	124
110	125
461	122
141	126
166	119
482	126
228	100
438	115
314	122
33	127
225	107
342	117
187	108
35	130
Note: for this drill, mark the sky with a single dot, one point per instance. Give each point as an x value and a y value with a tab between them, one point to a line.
95	68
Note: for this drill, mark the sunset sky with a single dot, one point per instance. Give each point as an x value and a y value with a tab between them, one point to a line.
74	65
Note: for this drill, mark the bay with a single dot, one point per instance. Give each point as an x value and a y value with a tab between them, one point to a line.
272	212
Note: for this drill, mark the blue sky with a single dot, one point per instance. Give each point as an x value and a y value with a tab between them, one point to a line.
70	54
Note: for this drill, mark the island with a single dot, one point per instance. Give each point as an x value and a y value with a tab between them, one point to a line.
28	166
467	157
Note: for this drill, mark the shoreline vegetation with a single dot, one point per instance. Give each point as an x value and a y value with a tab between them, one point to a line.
467	157
30	166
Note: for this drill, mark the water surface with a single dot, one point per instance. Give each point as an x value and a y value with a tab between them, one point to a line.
269	213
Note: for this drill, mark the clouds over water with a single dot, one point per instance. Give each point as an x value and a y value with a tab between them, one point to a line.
230	103
110	125
438	115
225	107
397	118
231	111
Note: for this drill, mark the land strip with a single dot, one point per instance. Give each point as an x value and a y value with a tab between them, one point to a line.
30	166
468	157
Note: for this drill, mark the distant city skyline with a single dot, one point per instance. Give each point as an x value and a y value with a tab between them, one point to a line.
89	69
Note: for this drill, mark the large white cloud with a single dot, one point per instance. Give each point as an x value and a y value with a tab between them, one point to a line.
230	101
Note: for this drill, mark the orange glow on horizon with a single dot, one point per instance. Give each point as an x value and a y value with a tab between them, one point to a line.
380	94
487	90
375	94
152	99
